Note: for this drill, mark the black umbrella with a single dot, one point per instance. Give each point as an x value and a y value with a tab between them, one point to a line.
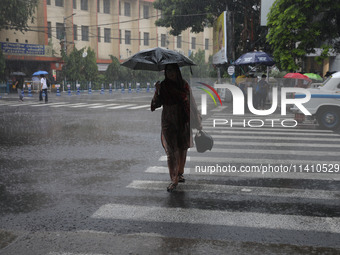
155	59
255	58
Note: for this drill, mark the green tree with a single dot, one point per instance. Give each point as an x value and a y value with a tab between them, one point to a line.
15	14
202	69
112	72
90	68
182	14
73	66
297	27
80	68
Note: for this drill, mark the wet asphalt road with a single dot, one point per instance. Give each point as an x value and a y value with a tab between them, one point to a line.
86	179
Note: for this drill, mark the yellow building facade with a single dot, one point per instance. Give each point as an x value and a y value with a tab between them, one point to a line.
109	27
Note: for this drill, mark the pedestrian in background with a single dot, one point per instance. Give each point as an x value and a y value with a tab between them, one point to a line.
43	88
262	92
19	85
179	115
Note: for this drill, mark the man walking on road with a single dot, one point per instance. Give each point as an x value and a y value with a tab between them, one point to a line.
43	87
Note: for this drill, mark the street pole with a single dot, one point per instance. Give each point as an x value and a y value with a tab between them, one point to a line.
65	42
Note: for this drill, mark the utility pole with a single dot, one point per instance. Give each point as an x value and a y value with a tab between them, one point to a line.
65	41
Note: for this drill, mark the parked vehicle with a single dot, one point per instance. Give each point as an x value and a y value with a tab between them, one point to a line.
324	104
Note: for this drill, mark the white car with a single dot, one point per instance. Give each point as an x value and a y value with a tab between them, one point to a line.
324	104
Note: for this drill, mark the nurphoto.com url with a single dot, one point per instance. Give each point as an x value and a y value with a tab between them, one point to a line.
269	168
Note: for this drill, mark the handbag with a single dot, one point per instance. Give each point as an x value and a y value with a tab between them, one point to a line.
203	141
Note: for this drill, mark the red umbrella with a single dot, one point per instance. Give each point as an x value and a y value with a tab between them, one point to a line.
297	76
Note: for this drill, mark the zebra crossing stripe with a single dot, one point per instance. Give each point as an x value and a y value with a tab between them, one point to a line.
274	132
217	218
43	104
259	137
20	104
239	190
278	144
302	176
251	116
70	253
100	106
258	161
276	152
268	129
161	169
83	105
139	107
219	108
120	106
62	105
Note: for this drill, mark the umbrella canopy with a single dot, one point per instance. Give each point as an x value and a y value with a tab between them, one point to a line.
156	59
313	76
255	58
40	72
296	76
18	74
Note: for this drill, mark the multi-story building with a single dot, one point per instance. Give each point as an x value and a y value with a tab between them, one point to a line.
109	27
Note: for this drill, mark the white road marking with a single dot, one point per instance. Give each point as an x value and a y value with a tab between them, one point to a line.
230	189
218	218
272	175
120	106
139	107
101	106
258	161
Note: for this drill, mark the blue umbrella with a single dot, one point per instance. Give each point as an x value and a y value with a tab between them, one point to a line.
40	72
255	58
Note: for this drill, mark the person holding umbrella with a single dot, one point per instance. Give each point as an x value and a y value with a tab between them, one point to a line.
179	111
43	87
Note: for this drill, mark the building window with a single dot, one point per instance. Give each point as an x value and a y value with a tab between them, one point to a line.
49	30
163	40
145	11
84	33
60	30
106	6
120	36
179	41
75	32
74	4
146	39
127	37
127	10
98	33
193	43
59	3
48	2
107	35
98	5
120	8
206	44
84	5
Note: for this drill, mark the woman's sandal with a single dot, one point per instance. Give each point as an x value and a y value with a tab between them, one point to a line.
181	178
171	187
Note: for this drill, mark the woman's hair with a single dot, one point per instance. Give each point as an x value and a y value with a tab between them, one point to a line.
42	76
180	80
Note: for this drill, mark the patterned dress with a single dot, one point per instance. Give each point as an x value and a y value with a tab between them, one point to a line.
179	116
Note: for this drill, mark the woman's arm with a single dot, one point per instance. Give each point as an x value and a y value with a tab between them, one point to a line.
156	100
